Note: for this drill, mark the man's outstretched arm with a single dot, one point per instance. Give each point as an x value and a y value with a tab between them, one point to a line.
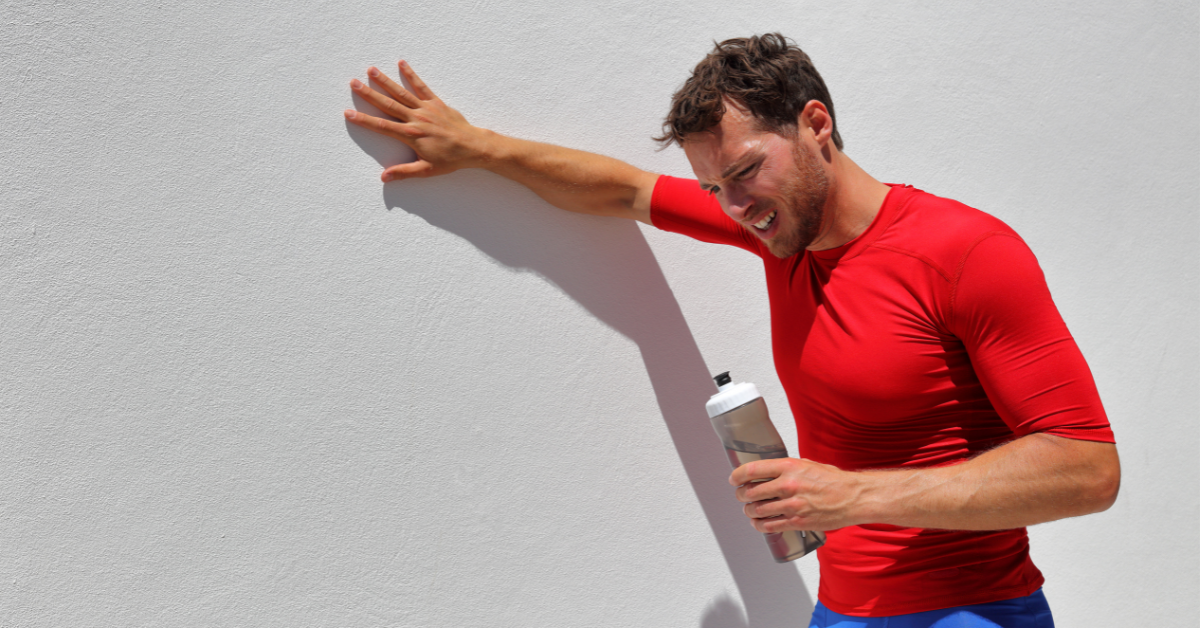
444	141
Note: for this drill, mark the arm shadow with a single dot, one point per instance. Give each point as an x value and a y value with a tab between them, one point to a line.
606	266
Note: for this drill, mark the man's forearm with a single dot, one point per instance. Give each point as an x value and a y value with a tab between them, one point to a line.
571	179
1031	480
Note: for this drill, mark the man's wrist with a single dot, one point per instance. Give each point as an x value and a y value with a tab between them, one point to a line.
878	496
489	150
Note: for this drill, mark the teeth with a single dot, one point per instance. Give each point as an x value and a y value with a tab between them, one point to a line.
765	221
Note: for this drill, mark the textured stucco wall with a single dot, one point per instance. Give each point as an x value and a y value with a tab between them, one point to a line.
242	383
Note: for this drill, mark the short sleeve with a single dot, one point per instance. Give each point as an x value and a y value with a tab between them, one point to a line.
680	206
1029	365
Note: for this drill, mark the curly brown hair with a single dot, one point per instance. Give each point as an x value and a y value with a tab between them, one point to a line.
767	74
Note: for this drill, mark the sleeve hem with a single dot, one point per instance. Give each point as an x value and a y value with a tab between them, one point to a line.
1095	434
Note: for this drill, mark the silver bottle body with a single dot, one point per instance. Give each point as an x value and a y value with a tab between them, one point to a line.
748	435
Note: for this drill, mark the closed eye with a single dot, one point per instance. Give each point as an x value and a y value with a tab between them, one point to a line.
746	172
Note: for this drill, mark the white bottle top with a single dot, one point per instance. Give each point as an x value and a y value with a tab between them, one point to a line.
730	396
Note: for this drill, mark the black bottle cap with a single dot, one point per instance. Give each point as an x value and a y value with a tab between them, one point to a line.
723	379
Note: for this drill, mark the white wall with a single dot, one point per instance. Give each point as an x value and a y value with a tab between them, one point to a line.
243	383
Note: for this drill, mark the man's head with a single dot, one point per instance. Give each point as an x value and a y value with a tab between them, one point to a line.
767	75
755	119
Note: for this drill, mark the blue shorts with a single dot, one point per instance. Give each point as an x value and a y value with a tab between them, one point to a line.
1030	611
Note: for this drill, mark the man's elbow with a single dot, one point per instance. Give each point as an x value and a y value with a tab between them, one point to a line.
1104	480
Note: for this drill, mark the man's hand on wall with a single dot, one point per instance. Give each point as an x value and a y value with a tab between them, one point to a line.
444	141
442	138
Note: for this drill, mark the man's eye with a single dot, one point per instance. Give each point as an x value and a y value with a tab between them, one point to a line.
713	190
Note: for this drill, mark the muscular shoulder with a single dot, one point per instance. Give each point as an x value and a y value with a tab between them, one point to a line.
939	231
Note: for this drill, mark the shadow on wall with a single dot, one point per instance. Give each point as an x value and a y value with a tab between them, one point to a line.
607	266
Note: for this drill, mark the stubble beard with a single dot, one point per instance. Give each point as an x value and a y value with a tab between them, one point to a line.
804	197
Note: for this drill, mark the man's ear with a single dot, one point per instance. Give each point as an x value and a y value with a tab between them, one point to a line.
816	119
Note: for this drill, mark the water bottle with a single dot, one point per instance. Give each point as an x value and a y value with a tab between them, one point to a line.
739	415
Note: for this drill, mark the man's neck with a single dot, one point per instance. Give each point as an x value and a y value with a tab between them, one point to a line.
854	200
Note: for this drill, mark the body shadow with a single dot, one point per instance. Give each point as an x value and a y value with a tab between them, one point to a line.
606	266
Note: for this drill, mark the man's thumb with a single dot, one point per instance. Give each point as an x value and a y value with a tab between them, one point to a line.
418	168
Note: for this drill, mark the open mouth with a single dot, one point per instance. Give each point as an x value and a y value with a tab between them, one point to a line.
765	222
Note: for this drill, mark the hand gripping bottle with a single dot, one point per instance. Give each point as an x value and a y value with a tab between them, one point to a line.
739	415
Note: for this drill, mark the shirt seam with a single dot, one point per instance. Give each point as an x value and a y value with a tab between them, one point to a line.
962	263
891	220
917	256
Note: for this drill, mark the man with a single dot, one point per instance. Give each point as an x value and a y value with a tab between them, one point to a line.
940	402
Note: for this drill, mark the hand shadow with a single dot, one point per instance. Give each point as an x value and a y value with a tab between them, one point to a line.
606	266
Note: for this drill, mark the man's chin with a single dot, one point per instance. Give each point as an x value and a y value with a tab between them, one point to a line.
783	250
784	243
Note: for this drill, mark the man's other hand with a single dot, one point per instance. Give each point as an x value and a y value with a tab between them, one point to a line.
442	138
796	494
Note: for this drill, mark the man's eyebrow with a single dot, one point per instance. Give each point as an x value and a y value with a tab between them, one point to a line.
750	155
740	164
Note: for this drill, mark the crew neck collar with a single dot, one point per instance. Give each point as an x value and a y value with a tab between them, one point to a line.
883	218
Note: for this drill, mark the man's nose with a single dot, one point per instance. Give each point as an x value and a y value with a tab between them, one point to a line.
738	202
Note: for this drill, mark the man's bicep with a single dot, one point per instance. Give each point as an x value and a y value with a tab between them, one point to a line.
643	196
1028	362
680	206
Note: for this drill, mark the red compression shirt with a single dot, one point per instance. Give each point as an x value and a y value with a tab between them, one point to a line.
928	339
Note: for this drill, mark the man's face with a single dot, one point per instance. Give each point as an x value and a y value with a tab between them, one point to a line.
774	186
